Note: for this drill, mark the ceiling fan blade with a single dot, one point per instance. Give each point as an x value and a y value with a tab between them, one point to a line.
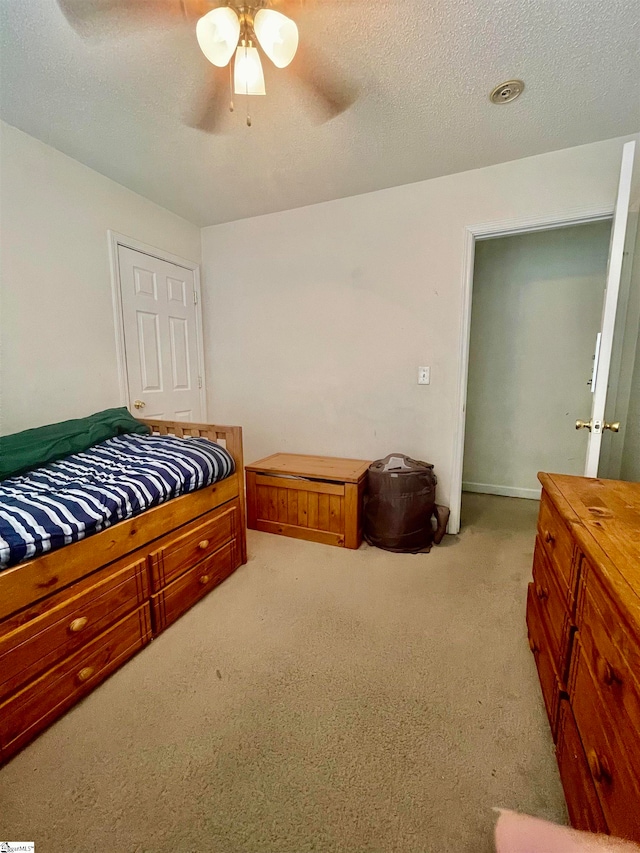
332	94
209	111
88	17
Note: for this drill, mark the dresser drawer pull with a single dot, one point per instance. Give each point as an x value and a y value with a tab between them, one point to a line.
203	545
599	769
542	592
548	537
204	579
606	673
86	673
78	624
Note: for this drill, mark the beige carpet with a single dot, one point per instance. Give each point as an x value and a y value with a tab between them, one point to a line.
319	700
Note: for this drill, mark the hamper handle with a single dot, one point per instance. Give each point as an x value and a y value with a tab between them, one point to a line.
442	519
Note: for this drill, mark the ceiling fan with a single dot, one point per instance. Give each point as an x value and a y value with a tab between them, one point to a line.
233	35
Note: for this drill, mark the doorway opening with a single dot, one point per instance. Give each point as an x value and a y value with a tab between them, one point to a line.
615	347
536	310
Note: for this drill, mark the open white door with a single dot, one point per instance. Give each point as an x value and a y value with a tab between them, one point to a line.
604	343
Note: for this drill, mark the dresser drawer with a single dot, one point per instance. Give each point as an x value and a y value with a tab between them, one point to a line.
194	542
612	652
553	609
539	644
178	596
580	792
558	544
611	748
36	638
30	710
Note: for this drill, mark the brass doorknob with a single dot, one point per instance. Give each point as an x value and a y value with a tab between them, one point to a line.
614	427
139	404
584	425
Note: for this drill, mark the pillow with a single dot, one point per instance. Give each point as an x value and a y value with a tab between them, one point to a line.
33	448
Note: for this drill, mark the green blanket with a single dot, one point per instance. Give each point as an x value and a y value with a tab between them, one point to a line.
24	451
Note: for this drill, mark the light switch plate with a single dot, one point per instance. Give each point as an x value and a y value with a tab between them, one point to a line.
424	375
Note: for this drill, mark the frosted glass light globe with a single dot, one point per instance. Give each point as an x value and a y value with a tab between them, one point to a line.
248	76
218	32
277	34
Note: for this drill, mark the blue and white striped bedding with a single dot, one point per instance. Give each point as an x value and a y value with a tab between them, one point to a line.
88	492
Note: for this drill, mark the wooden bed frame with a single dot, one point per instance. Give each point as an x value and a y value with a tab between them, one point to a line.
25	583
70	618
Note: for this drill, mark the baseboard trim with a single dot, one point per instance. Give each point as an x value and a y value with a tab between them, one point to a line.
506	491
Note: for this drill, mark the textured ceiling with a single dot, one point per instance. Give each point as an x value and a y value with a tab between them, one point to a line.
424	69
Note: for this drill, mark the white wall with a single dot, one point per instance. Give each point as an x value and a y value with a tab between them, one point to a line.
537	304
316	319
58	340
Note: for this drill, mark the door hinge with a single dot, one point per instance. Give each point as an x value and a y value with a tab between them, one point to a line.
199	381
195	297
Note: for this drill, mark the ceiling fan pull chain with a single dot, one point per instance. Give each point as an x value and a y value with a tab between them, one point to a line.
246	86
231	104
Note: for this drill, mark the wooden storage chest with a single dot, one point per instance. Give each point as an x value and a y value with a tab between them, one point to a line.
308	497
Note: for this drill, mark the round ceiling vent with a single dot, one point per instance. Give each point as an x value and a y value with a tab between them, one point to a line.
506	92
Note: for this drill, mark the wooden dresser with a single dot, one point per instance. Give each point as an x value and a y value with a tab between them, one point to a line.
583	618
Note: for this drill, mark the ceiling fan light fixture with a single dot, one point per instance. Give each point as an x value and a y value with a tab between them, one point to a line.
218	32
248	77
278	36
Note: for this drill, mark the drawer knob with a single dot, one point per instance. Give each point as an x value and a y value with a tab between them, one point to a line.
204	579
86	673
606	673
548	537
203	545
78	624
542	592
598	767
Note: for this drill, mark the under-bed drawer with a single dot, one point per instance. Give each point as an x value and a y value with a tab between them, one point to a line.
193	543
39	636
29	711
177	597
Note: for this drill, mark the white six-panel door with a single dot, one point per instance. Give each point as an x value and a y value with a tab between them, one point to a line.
160	326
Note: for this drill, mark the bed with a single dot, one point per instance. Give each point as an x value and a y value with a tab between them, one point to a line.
97	589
